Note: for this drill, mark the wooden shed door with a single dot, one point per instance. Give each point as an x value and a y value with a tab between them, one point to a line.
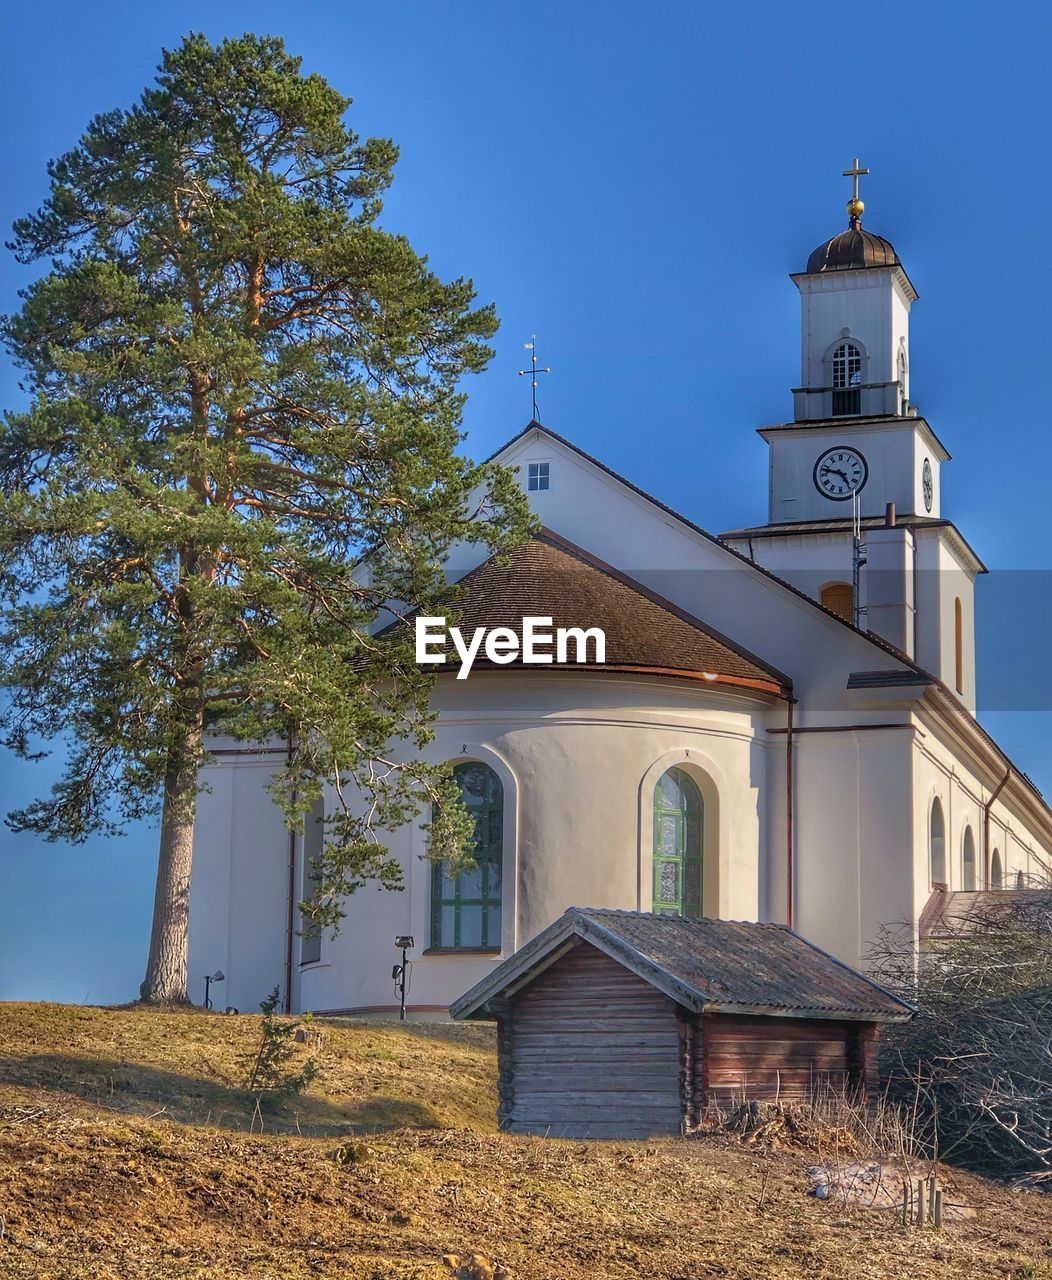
773	1058
591	1051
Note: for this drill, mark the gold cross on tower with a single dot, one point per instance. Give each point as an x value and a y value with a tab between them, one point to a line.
855	207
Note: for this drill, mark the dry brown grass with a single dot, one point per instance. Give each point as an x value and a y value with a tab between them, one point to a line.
188	1067
125	1155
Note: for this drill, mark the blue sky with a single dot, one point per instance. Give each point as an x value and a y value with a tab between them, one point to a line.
633	182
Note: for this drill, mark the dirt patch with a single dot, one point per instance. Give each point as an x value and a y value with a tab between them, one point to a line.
880	1184
116	1189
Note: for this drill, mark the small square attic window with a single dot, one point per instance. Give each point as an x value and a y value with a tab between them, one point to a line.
538	476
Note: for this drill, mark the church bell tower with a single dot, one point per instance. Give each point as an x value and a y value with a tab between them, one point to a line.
855	494
855	325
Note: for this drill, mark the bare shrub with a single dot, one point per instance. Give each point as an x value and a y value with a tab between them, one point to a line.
975	1064
829	1121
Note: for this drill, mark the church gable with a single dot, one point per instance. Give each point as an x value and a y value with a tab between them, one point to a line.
602	512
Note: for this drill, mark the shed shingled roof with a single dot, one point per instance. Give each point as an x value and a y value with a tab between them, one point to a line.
548	577
712	966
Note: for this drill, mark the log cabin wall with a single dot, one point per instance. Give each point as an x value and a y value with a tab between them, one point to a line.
774	1059
590	1050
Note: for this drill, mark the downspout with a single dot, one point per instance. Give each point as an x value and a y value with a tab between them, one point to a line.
915	655
789	851
986	826
290	926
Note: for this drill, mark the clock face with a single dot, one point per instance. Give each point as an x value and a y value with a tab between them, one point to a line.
927	484
840	472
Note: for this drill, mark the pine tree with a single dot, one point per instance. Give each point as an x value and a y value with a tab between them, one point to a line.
239	387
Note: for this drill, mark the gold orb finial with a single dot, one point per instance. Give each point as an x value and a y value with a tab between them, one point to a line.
855	207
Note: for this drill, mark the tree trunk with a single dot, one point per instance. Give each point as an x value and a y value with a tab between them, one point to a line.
166	969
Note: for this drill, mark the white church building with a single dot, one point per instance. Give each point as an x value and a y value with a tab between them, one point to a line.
783	727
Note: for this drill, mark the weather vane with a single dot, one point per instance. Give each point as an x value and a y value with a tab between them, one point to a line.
533	371
855	207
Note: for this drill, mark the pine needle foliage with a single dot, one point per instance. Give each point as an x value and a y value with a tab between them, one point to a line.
270	1076
240	440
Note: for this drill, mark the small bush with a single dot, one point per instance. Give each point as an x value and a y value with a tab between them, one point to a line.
270	1076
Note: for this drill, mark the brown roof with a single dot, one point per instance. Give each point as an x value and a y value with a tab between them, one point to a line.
548	577
729	966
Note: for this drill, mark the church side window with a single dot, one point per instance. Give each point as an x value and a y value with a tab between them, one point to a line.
958	643
839	598
466	908
968	860
313	839
997	875
847	380
938	844
677	845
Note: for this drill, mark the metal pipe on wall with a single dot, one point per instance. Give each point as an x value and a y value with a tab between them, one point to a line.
789	850
291	919
986	826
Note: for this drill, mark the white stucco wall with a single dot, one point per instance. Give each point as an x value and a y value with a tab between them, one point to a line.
873	306
894	451
941	771
239	886
853	836
579	758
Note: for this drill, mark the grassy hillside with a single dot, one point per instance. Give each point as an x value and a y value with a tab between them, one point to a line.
127	1150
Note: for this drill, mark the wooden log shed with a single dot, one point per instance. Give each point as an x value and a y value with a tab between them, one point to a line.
622	1024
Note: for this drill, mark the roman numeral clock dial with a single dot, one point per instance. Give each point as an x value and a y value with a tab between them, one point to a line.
840	472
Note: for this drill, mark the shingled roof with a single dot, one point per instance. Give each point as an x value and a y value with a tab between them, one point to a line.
708	966
548	577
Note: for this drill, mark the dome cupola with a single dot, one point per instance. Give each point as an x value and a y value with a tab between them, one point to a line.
854	248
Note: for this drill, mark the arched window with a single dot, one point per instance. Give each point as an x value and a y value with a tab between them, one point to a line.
938	843
465	908
847	380
839	598
677	845
997	875
968	860
958	643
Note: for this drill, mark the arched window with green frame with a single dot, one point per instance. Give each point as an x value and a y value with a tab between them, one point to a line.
466	908
677	845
